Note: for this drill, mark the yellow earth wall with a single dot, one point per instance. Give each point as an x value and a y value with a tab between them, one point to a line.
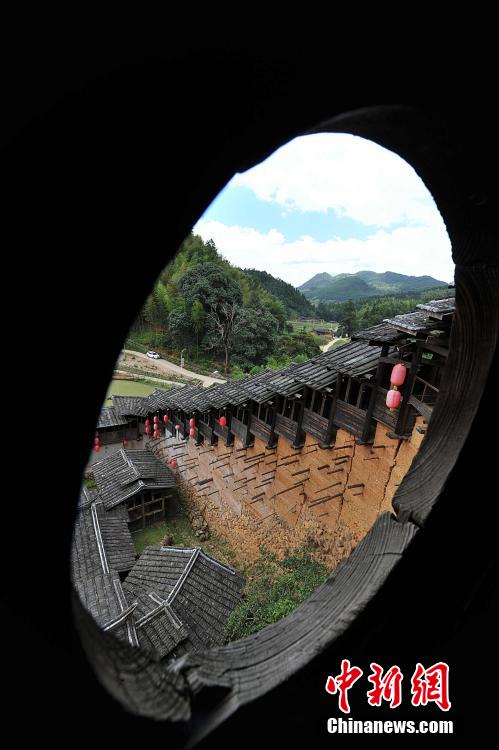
285	497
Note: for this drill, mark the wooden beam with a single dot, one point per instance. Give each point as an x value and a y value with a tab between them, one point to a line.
331	428
401	423
368	422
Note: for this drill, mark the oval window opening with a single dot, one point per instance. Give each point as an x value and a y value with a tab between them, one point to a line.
268	402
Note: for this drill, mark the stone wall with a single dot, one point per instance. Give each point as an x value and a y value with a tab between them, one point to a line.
284	497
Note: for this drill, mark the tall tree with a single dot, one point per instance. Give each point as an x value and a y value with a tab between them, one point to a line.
197	319
224	324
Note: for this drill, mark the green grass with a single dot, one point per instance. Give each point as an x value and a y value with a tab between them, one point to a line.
274	588
339	342
178	526
309	325
128	388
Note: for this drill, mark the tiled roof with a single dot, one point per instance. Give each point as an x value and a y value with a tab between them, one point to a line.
199	592
414	322
383	333
126	472
439	306
109	417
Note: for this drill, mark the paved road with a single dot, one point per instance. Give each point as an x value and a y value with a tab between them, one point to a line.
162	367
328	346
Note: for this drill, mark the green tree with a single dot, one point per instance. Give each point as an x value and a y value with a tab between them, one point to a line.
197	321
256	338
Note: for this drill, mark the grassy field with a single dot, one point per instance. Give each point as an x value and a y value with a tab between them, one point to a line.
309	325
131	388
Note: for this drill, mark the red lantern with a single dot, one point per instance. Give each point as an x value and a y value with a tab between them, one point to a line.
165	419
155	435
156	419
192	432
96	441
97	448
223	421
148	430
173	463
147	423
393	399
192	422
398	375
125	442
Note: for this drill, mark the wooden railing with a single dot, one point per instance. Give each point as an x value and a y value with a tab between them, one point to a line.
222	432
381	412
205	430
260	429
429	392
315	424
286	427
239	429
350	418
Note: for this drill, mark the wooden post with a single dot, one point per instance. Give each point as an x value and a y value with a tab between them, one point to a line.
300	434
366	433
247	442
331	429
272	441
229	441
401	423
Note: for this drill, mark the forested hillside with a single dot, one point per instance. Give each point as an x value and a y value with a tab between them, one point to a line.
352	286
296	305
362	313
219	314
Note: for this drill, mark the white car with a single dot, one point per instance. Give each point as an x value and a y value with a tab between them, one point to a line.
153	355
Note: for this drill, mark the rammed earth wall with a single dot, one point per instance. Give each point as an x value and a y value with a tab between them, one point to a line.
282	498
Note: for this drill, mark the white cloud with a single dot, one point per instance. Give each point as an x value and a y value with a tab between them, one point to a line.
355	177
414	250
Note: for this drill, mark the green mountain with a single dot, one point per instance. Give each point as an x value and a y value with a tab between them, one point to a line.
296	304
324	287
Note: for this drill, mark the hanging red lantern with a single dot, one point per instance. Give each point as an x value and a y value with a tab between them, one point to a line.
156	419
147	423
125	442
97	448
165	419
173	463
393	399
96	441
398	375
148	430
192	432
223	421
192	422
155	434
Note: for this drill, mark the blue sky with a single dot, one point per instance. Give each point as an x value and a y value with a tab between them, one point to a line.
238	205
329	202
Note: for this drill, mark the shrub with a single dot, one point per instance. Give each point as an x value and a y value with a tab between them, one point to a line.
274	588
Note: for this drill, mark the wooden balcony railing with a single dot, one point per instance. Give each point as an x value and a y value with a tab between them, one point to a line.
260	429
286	427
315	424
